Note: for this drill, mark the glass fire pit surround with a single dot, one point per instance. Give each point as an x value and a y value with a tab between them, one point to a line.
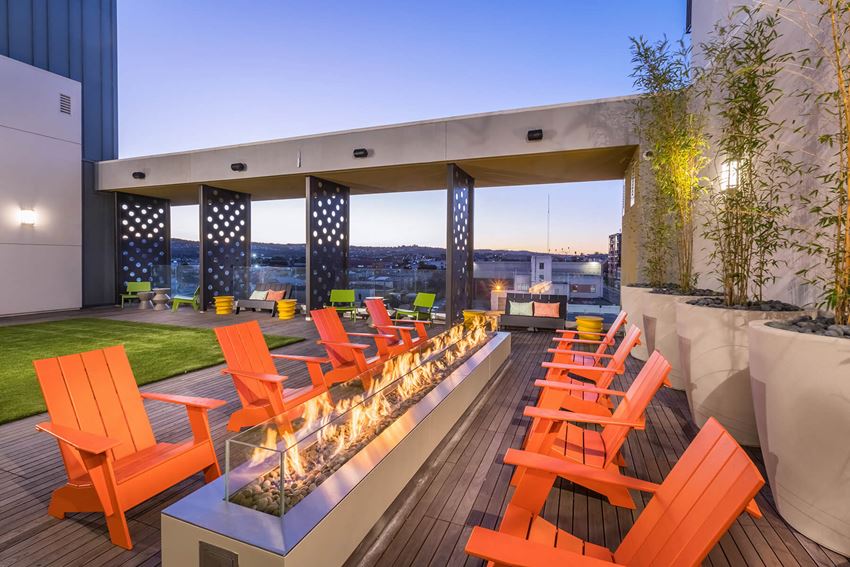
270	468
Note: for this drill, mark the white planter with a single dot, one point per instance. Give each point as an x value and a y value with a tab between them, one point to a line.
659	331
714	351
631	300
801	394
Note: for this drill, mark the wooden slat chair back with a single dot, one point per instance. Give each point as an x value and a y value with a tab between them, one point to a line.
111	456
136	287
602	368
347	358
713	482
586	401
95	392
245	348
259	386
556	433
401	330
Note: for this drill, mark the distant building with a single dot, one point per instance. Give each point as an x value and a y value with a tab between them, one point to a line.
615	243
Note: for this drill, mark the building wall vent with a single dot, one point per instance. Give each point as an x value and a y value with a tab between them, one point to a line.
64	104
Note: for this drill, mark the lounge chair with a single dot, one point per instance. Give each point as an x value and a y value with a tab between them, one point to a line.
111	456
555	433
568	337
343	301
194	301
422	308
709	487
598	368
133	289
263	303
258	384
403	338
348	359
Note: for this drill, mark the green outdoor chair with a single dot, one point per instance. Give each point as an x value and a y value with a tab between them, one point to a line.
422	307
133	289
194	301
344	301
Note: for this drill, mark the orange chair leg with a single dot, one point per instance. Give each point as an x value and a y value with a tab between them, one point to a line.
119	532
212	471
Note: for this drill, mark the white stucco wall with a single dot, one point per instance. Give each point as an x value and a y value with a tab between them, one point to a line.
40	169
798	27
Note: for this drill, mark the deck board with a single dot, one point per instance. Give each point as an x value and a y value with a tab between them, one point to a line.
463	484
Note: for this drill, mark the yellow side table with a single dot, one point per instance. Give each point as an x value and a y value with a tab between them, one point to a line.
286	308
223	304
471	315
588	324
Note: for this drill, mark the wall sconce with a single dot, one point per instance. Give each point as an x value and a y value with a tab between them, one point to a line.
729	174
534	135
361	153
238	166
27	216
138	175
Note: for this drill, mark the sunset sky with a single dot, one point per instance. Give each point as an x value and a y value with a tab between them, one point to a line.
196	74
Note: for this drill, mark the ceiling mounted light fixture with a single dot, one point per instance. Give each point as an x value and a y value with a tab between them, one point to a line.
27	216
361	153
238	166
138	175
534	135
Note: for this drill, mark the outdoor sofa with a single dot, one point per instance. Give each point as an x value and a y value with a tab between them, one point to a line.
265	304
534	321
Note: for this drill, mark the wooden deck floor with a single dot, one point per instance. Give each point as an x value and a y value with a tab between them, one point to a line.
464	483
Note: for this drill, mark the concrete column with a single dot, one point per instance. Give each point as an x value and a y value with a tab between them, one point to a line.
459	242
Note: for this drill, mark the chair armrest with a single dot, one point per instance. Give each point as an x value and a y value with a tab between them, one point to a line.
300	358
753	509
577	387
573	470
505	549
408	321
581	341
568	351
557	415
343	345
372	335
275	378
191	401
81	440
564	366
576	331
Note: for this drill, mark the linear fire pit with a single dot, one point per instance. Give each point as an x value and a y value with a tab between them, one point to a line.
309	496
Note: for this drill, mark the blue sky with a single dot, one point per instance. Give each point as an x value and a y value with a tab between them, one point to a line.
196	74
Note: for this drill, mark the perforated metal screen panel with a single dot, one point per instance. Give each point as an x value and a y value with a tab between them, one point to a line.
144	240
225	241
459	242
327	239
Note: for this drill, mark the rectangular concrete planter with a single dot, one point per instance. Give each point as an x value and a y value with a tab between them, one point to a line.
714	352
801	394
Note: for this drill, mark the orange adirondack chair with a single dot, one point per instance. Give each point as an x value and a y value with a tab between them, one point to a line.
591	361
709	487
112	459
568	337
258	384
403	339
584	400
554	432
348	359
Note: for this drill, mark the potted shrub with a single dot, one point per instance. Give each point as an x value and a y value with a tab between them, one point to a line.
674	133
745	220
800	369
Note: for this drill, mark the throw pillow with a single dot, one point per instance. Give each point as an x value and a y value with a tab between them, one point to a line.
261	295
518	308
546	309
273	295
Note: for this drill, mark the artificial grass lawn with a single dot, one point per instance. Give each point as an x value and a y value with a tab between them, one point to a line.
155	352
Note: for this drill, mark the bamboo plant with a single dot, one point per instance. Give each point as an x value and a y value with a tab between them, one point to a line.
670	126
749	206
827	240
